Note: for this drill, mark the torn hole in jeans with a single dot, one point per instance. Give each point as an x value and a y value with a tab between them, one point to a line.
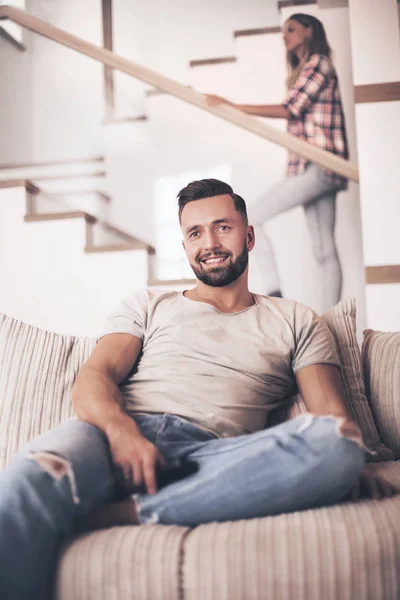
351	431
344	429
58	468
151	520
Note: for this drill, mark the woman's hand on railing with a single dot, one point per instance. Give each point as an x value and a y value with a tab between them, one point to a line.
213	100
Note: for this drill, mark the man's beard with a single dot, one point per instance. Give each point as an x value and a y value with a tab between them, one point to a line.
219	276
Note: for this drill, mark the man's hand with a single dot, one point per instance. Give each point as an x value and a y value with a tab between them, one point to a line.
135	458
370	485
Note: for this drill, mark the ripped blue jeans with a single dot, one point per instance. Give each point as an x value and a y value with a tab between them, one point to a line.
67	473
300	464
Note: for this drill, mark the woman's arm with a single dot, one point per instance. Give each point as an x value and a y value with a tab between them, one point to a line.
273	111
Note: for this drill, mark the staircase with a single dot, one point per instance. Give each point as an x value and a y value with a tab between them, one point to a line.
71	190
148	155
205	146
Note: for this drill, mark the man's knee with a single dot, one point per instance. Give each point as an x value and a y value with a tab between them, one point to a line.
58	468
337	441
342	448
74	440
73	456
35	471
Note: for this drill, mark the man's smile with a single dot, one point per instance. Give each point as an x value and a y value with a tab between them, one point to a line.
215	260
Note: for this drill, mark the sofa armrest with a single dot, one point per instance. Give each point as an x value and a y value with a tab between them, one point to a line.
381	362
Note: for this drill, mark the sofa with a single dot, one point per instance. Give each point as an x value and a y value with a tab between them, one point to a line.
350	551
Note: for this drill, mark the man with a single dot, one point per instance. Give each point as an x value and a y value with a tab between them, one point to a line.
200	372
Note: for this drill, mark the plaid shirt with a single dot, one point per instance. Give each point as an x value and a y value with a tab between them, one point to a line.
317	115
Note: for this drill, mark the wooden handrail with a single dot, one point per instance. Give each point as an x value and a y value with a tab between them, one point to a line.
228	113
50	163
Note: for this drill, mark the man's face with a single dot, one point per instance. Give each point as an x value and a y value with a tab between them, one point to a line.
216	240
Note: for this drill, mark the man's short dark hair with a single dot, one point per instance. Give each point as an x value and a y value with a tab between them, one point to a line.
207	188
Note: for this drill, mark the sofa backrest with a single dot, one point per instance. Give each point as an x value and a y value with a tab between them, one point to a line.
37	370
381	360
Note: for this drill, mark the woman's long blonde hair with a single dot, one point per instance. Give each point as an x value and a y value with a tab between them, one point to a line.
318	44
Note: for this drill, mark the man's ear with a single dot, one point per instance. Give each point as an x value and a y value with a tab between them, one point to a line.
250	238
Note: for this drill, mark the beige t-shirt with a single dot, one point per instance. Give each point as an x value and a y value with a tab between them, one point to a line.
224	372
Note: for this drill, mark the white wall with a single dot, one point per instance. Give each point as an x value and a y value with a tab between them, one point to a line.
378	126
67	95
377	61
15	108
383	301
165	36
47	279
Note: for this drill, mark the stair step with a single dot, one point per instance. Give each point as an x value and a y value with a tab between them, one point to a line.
126	236
13	183
79	185
256	31
52	163
40	172
7	36
128	242
73	214
134	119
65	176
293	3
102	195
117	247
212	61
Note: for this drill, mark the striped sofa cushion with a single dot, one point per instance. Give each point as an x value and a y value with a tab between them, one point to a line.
37	370
341	320
345	552
381	360
121	563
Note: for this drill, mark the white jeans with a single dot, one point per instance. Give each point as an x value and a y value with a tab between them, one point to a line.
318	197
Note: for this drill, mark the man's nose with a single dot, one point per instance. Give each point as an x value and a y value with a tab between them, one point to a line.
211	240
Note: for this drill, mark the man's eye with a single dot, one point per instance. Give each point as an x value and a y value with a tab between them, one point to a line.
193	234
225	228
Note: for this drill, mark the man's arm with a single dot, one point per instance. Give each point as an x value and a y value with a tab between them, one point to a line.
322	390
98	401
321	387
95	395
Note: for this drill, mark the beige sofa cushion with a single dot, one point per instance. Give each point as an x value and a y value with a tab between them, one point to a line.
344	552
37	370
341	320
381	360
121	563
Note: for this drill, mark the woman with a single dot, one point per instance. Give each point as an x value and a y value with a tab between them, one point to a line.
314	113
